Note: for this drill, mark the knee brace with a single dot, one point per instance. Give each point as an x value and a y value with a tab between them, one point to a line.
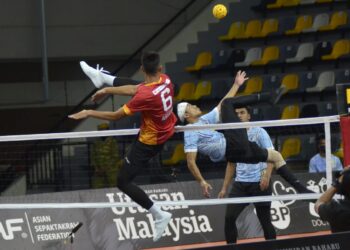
276	158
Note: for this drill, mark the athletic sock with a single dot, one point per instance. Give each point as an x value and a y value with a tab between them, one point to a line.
156	212
286	174
108	79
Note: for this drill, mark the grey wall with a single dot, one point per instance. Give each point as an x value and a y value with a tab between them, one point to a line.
81	28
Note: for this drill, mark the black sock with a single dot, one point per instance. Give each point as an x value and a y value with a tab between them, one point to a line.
120	81
286	174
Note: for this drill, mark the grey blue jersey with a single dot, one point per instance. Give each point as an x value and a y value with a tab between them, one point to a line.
251	172
208	142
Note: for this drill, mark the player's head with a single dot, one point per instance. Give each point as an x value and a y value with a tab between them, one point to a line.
243	113
188	112
150	63
321	144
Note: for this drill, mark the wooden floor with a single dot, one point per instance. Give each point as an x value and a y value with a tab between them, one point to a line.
220	243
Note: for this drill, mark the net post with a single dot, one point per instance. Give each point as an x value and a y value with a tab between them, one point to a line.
327	130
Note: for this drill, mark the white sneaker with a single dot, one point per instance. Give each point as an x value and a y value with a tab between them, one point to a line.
160	225
95	75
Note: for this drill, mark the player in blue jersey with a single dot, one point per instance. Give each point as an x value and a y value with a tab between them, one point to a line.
231	145
250	180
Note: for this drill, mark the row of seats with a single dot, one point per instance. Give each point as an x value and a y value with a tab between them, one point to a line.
189	91
321	22
288	26
277	4
303	147
298	147
262	56
309	82
294	111
258	56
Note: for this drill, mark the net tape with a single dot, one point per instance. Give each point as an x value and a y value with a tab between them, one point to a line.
202	202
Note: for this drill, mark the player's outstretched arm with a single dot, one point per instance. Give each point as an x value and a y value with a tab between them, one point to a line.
239	80
103	115
192	166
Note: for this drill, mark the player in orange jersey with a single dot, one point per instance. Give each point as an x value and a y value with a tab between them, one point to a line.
154	99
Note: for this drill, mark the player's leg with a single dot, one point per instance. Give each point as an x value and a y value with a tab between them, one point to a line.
232	213
237	139
99	76
255	154
263	211
241	101
264	215
281	168
138	157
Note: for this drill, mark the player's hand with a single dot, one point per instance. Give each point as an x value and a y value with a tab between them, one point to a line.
100	94
205	188
222	193
264	181
240	78
80	115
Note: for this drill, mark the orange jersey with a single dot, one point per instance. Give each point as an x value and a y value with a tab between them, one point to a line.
155	102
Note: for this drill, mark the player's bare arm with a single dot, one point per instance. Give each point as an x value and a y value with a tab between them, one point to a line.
239	80
103	115
192	166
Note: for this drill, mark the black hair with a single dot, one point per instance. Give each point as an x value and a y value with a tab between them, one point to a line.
344	187
320	138
150	62
247	107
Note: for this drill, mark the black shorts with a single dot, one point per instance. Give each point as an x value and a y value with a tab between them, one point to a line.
248	189
137	158
240	149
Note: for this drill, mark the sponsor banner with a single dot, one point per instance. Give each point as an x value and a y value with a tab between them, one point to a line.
132	228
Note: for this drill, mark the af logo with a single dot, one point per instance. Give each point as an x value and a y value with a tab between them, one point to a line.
10	226
280	213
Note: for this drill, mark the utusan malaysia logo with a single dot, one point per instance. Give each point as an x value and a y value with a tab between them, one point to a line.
128	227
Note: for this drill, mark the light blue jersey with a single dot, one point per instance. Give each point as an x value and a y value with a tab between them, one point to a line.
318	164
252	172
208	142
